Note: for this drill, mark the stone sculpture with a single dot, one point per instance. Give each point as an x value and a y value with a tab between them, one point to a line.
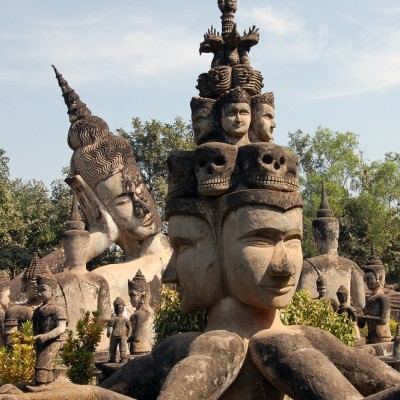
80	290
119	330
49	323
19	313
142	319
337	270
4	300
117	205
343	295
321	289
237	254
376	313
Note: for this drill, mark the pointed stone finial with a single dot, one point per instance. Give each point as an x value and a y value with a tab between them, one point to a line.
75	222
76	108
374	260
324	208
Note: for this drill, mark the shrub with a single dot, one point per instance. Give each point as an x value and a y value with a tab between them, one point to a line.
78	352
303	310
17	362
169	318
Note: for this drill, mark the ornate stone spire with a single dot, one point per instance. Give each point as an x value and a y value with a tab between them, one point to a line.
76	108
375	263
75	221
324	208
138	282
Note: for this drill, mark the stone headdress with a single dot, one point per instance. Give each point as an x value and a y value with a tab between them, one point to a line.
138	283
36	268
326	223
119	301
97	153
375	265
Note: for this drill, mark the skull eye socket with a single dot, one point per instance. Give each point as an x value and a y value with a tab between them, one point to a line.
282	160
219	161
267	159
202	163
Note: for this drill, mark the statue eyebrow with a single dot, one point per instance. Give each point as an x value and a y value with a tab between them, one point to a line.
273	233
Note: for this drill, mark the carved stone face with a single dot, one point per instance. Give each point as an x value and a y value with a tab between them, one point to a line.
321	289
326	235
235	119
227	5
31	289
268	166
214	165
193	266
203	124
136	298
119	309
132	208
262	255
371	280
342	297
263	122
45	292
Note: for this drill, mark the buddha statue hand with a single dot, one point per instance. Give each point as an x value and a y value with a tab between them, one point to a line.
98	217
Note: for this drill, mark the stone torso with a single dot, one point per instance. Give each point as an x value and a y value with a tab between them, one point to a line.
120	326
142	331
378	305
337	271
45	318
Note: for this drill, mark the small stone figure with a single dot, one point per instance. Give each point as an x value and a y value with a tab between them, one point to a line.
142	320
119	330
49	323
321	289
17	314
376	313
343	295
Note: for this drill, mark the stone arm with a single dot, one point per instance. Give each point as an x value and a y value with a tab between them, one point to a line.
357	290
102	228
383	311
54	333
142	377
214	361
110	328
367	373
128	328
290	362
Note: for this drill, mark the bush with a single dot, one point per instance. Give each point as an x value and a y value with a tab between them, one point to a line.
303	310
17	362
78	353
169	318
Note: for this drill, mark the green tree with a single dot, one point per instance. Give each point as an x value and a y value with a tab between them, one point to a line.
152	141
364	195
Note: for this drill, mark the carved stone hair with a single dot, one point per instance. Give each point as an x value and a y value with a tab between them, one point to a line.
36	268
264	98
321	280
97	153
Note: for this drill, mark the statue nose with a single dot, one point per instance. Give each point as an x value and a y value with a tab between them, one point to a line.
140	209
170	275
280	264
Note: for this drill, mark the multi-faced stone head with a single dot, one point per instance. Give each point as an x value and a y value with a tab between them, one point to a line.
268	166
227	5
214	168
263	117
203	119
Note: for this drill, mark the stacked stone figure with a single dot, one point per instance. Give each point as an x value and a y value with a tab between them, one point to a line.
235	224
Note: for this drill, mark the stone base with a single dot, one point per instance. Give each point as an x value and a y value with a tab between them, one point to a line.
63	389
382	349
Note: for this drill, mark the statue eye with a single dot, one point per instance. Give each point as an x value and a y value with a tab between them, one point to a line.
122	200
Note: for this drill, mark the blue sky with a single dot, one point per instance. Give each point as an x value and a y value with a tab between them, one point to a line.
330	63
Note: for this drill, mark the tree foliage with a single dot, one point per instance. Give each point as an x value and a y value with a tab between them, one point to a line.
169	318
152	141
31	219
364	195
303	310
78	352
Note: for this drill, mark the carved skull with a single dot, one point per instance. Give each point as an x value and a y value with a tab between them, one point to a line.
214	166
181	180
268	166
